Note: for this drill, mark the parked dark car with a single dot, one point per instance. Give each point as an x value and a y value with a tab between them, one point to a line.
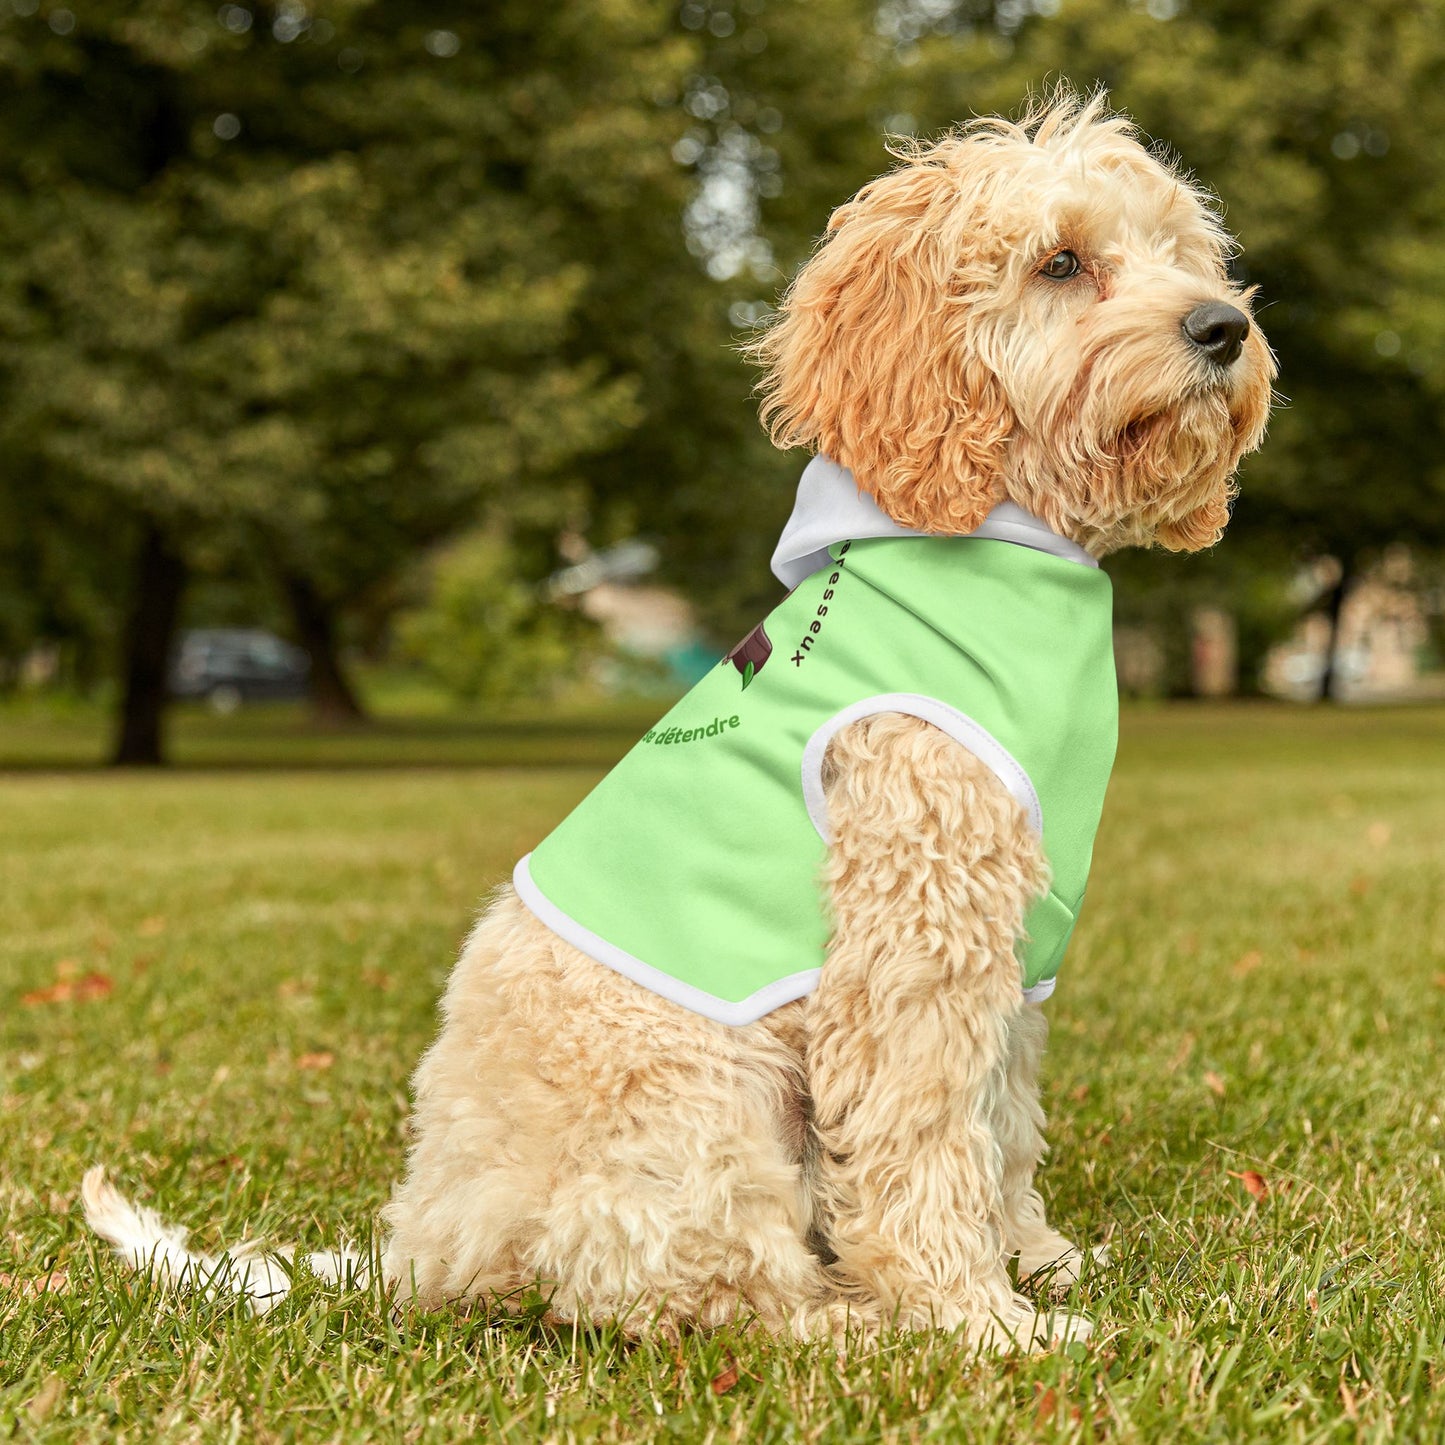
230	665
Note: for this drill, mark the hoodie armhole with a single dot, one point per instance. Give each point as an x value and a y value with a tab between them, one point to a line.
958	725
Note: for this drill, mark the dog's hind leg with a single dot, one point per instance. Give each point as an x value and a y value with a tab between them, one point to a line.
1042	1251
578	1135
681	1198
931	869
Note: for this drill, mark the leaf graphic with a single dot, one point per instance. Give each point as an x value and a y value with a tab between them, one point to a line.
748	673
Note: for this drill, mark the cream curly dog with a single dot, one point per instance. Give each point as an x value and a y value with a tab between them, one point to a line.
1025	332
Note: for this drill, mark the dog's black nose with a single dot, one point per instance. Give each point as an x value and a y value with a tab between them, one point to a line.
1218	330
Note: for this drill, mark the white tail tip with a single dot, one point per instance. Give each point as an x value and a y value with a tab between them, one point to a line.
148	1244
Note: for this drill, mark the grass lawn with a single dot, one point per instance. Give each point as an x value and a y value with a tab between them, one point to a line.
216	980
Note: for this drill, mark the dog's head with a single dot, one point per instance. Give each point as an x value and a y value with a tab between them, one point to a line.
1037	311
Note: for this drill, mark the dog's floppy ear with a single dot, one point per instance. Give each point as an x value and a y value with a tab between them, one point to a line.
872	358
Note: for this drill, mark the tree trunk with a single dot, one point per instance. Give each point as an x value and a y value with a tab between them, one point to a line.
333	700
150	630
1329	676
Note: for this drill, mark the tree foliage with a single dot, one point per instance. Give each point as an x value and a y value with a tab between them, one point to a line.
319	287
484	633
307	290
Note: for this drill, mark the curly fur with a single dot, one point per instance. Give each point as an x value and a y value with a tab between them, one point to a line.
640	1162
865	1156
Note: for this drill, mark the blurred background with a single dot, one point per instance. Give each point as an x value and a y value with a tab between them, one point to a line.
362	363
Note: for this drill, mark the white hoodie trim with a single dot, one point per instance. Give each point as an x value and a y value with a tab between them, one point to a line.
698	1001
830	508
957	725
949	720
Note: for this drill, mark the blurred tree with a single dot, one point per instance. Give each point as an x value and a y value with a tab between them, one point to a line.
307	282
58	570
783	108
484	632
324	285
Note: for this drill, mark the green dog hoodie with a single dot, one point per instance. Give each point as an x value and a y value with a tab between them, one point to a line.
694	866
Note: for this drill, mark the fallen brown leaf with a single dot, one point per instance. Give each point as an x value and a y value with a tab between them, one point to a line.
56	1282
1214	1083
1255	1184
1248	962
56	993
724	1381
322	1059
1080	1094
1046	1407
66	990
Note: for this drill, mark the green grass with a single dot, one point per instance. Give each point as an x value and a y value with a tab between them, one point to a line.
406	729
1256	985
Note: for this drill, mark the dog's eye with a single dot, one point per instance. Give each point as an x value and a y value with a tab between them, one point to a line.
1060	266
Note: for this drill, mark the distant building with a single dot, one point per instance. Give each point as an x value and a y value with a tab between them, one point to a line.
1382	652
648	622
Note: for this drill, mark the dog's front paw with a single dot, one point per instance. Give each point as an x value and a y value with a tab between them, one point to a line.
1023	1326
1057	1269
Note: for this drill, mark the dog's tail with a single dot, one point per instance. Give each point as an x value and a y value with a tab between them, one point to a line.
147	1243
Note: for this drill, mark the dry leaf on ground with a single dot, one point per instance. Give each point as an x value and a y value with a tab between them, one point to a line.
322	1059
726	1379
1181	1054
1046	1407
56	1282
67	990
1255	1184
